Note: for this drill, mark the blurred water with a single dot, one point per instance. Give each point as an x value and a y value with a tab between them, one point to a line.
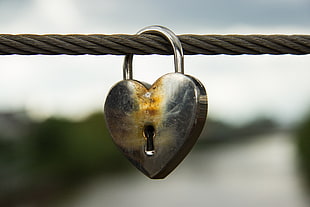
254	173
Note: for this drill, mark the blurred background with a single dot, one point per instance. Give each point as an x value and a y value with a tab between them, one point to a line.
55	149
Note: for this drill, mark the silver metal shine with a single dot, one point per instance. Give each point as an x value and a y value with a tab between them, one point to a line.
172	106
169	35
155	126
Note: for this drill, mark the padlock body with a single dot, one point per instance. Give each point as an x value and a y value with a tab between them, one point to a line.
175	107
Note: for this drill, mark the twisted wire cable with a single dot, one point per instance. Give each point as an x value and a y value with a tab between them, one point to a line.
145	44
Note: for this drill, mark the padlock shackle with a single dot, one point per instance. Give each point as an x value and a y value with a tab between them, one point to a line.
173	39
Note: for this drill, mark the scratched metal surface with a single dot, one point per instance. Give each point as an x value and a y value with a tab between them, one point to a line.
175	106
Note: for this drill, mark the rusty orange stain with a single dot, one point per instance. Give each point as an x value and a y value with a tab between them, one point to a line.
150	111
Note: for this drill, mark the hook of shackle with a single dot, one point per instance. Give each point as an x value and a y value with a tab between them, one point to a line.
174	41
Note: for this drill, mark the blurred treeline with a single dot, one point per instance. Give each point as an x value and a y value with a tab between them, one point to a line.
303	149
42	160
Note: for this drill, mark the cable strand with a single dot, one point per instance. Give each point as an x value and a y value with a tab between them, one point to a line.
145	44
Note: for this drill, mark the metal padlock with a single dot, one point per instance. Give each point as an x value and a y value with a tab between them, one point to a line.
156	126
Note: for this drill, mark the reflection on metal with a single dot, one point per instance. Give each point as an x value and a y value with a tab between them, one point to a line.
173	39
156	126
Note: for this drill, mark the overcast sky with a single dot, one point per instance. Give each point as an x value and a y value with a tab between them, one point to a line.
240	88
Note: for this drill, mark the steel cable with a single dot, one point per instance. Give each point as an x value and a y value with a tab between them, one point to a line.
146	44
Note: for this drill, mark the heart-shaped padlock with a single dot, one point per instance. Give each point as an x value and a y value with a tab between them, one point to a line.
155	126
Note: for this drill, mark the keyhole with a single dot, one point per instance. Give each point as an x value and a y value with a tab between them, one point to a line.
149	134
